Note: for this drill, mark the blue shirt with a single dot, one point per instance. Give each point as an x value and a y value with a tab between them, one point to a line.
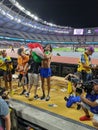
93	98
83	60
4	110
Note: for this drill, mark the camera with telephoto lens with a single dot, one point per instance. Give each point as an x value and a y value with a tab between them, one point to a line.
73	79
86	86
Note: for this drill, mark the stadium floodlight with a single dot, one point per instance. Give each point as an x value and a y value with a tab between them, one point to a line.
50	27
50	24
45	22
21	8
24	10
17	4
36	18
32	15
14	2
28	12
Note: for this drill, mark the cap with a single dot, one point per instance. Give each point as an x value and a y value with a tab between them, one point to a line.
95	81
91	48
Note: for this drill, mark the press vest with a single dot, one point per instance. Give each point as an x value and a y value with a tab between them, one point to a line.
87	62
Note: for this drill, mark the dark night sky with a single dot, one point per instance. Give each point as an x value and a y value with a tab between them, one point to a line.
74	13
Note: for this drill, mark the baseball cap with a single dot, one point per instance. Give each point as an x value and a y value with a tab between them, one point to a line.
91	48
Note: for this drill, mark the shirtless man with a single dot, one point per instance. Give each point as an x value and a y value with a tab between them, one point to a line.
45	71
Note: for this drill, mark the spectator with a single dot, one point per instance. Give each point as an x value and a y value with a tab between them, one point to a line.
12	49
73	97
33	76
22	61
71	85
6	66
5	122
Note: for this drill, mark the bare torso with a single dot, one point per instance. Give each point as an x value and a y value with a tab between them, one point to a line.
47	61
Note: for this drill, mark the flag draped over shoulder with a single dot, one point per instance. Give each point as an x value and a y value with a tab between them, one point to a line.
37	51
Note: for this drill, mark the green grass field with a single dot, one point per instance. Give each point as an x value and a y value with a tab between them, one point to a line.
67	49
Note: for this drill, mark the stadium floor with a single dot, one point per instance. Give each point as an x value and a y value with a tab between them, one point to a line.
58	92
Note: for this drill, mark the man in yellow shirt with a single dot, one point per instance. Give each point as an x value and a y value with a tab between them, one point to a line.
6	67
84	67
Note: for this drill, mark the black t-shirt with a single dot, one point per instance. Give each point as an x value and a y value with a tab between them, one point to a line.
34	67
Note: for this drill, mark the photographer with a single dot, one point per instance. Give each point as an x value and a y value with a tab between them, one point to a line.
71	90
90	102
84	67
71	85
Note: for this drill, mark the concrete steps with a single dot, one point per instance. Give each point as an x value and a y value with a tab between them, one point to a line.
46	119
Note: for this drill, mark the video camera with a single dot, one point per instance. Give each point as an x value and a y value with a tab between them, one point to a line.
73	79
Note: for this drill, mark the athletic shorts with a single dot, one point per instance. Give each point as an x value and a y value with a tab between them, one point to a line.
7	76
1	72
33	79
45	72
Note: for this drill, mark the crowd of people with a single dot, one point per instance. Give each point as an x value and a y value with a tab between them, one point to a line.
30	68
33	68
